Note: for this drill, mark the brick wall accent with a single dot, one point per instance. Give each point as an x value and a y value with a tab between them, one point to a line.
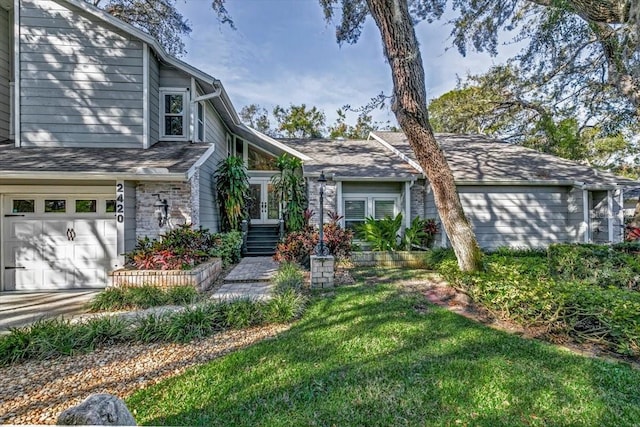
179	198
418	196
200	277
330	199
322	272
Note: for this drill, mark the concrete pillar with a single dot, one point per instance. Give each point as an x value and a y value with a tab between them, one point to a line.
322	274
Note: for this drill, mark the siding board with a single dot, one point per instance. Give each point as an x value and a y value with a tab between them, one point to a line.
154	99
75	64
5	74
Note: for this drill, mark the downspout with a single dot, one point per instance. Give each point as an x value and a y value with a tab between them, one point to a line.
407	202
610	214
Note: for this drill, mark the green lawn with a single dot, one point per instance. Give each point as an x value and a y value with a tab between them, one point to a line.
371	354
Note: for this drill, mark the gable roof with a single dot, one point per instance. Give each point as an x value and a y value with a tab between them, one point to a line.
477	158
352	159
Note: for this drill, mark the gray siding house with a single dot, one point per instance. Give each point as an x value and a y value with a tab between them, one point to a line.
97	125
513	196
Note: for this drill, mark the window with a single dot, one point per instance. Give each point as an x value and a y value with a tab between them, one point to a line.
357	207
260	161
86	206
173	114
110	206
229	145
200	124
239	148
354	213
24	206
383	208
55	206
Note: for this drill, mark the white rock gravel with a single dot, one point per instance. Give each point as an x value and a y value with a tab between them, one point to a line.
36	392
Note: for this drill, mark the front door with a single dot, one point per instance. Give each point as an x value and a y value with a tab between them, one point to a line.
263	208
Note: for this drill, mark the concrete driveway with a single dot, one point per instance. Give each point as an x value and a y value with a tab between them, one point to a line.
23	308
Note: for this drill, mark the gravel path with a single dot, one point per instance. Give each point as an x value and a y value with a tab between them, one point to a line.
36	392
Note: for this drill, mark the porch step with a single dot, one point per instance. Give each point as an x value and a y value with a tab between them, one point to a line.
262	240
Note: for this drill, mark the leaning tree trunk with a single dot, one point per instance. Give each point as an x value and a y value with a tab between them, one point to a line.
410	107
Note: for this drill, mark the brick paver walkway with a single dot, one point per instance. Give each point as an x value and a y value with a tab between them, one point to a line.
249	279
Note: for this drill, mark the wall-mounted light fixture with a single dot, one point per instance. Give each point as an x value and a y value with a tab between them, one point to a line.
161	212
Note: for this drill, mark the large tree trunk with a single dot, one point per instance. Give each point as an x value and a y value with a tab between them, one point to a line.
410	107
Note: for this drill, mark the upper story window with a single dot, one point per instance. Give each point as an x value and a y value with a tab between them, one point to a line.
173	111
200	122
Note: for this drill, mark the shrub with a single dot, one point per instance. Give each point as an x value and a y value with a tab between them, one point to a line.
134	297
184	248
298	246
288	277
601	265
382	234
518	285
284	307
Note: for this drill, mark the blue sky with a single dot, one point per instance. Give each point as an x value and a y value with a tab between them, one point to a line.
283	52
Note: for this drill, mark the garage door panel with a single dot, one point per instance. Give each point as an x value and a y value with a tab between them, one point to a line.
48	256
23	229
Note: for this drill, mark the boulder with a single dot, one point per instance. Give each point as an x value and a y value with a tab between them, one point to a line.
98	410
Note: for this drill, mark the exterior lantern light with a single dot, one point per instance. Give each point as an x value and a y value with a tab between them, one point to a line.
161	212
321	249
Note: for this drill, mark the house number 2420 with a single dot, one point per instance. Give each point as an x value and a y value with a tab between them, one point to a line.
120	202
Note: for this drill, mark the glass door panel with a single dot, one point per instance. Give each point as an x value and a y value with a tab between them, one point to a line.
255	191
273	210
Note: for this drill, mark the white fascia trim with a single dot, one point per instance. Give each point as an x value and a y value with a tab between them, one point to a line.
145	96
362	178
16	74
556	183
130	29
276	144
390	147
192	170
84	176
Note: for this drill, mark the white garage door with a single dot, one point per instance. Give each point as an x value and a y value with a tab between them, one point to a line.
58	242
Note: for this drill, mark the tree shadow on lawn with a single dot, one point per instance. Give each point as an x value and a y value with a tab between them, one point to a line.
368	357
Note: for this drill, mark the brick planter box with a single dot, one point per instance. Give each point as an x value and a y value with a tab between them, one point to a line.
388	259
201	277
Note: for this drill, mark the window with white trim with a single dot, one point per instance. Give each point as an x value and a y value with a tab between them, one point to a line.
356	208
200	122
173	113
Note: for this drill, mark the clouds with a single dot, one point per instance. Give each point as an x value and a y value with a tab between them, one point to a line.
284	53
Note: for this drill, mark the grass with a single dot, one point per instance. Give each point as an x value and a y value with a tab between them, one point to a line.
370	354
141	297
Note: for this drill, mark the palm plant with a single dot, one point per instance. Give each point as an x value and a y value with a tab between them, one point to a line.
232	187
383	233
290	191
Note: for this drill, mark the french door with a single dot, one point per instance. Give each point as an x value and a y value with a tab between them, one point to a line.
263	208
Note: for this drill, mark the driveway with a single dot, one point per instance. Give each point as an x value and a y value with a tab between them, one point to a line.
23	308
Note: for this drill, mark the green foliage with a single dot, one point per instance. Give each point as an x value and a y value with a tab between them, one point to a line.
284	306
364	125
374	354
299	246
382	234
52	338
228	247
257	117
184	248
161	20
289	276
47	339
290	190
600	265
299	122
232	188
421	233
538	290
137	297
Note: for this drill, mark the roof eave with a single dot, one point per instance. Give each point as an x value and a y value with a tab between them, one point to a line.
96	176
